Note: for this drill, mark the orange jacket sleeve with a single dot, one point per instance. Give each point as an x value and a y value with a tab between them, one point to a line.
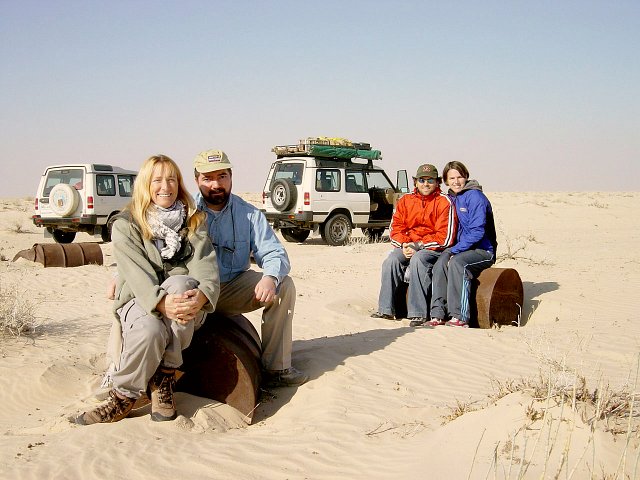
398	225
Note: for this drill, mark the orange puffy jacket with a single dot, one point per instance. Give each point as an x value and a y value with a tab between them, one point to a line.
430	219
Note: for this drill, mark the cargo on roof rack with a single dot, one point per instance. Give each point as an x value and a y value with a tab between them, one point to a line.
328	147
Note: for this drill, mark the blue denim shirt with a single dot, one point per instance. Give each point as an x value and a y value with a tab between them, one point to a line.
239	230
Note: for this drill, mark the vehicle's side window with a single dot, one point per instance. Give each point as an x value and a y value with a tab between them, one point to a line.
105	185
354	182
125	185
328	180
292	171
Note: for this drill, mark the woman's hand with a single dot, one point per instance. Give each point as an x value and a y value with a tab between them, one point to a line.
184	307
111	289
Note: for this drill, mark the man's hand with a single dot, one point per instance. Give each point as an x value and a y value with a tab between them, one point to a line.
265	289
408	250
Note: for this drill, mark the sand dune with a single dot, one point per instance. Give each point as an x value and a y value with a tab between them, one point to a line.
382	398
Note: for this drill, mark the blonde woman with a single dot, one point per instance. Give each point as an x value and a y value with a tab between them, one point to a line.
167	280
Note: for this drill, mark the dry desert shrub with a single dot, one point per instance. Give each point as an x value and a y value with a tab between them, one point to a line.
608	409
597	204
457	410
601	408
17	226
17	311
19	204
516	249
366	240
558	399
404	429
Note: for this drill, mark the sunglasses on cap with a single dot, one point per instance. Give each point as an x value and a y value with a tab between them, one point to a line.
430	181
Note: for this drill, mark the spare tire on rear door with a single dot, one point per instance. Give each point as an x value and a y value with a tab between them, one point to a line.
63	199
283	194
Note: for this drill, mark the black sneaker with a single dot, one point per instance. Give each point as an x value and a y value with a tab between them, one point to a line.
163	407
382	315
114	410
417	321
289	377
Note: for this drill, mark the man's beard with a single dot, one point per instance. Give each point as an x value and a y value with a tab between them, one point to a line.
219	196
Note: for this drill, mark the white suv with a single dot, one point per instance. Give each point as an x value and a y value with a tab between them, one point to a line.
81	198
333	189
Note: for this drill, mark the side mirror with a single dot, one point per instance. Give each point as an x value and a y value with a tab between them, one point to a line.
402	181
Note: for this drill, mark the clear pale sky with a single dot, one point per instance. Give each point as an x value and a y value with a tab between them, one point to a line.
529	95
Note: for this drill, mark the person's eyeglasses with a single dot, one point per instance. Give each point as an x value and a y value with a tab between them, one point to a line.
430	181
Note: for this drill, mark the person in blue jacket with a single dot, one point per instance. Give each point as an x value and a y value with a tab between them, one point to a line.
474	251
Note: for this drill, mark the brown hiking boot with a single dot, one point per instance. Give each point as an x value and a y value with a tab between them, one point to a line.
114	410
163	407
289	377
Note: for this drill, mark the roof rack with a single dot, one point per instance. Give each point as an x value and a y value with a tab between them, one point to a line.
328	147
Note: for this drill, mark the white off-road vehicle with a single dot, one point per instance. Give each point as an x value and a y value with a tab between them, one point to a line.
331	185
81	198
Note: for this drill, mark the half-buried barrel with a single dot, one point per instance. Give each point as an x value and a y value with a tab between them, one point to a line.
223	363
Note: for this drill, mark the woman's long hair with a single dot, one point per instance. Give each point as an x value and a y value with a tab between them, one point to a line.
141	198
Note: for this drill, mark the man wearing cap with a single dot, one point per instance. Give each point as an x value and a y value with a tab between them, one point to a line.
239	230
423	225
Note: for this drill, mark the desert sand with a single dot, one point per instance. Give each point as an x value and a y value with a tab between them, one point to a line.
384	400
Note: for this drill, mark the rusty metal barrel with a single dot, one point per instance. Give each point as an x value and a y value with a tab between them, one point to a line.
223	363
499	297
63	254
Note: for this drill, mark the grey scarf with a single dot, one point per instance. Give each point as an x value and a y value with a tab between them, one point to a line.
165	224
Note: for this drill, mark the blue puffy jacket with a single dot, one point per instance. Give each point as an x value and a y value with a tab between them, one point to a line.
476	228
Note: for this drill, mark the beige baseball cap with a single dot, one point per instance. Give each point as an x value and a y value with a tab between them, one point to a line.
210	161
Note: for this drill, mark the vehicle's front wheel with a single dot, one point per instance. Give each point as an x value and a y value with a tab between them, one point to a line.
337	230
373	234
62	236
295	235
